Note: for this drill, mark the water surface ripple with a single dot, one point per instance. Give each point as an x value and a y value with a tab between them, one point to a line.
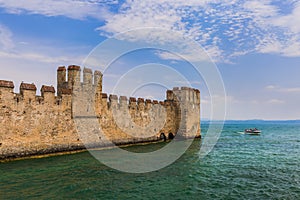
240	167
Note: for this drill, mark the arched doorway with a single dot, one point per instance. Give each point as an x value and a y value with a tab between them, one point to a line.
163	137
171	136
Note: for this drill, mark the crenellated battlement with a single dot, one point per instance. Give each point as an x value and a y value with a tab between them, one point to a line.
28	94
93	81
123	101
7	84
35	122
184	94
69	79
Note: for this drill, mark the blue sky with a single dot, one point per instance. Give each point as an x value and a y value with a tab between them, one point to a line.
254	44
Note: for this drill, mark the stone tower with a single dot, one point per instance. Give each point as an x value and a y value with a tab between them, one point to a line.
188	114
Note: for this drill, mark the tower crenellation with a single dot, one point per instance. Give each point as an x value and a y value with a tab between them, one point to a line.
73	76
113	101
61	79
170	95
87	76
98	81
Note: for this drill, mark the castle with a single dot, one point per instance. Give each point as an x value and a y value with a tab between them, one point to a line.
31	124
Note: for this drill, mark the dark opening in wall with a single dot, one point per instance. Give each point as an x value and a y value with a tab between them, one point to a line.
170	136
163	137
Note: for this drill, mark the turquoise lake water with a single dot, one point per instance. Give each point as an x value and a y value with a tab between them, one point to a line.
239	167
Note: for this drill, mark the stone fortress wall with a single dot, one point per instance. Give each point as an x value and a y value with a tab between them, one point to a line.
31	124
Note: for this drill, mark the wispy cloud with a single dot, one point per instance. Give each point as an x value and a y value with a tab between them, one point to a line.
291	20
187	54
167	56
40	57
225	29
296	89
6	41
270	87
76	9
19	53
282	89
275	101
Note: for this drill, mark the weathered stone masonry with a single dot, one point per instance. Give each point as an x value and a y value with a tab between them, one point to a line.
31	124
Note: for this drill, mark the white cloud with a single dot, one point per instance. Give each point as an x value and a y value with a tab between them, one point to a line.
5	38
260	9
188	54
275	101
167	56
225	29
282	32
288	46
269	45
76	9
167	15
292	90
10	50
270	87
282	89
40	57
34	61
184	83
290	21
